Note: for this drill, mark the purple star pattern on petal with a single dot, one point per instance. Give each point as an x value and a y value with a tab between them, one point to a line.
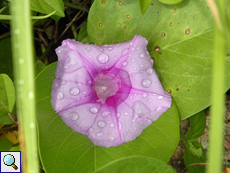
110	93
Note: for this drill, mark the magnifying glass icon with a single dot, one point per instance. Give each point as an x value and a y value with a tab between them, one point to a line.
9	160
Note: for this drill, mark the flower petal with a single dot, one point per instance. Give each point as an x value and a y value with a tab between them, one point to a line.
109	93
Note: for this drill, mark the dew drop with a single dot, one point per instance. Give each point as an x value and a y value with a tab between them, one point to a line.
112	139
60	96
141	66
90	129
105	113
58	51
56	85
146	83
118	115
100	24
74	91
93	110
102	58
160	97
149	71
110	48
133	60
73	116
88	49
128	16
124	63
101	124
125	51
141	55
64	82
112	125
119	125
144	95
162	34
126	113
137	48
99	133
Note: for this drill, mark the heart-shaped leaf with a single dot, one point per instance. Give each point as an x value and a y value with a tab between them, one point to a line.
58	142
180	40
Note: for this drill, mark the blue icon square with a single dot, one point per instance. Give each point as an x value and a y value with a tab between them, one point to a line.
10	161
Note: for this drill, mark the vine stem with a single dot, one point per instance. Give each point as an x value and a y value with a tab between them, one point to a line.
23	62
215	150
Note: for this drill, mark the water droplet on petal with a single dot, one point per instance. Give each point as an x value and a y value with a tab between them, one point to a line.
60	96
99	133
112	139
141	66
58	51
124	63
141	55
74	91
112	125
125	52
91	129
73	116
126	113
101	124
146	83
137	48
133	60
110	48
118	115
105	113
93	110
149	71
119	125
88	49
144	95
64	82
160	97
56	85
102	58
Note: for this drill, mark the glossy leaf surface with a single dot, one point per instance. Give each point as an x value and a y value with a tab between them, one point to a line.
180	40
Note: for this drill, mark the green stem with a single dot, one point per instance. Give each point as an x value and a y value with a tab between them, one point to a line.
23	61
215	152
75	6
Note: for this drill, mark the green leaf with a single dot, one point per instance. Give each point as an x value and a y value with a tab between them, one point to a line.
197	125
82	35
5	145
6	65
48	6
7	99
194	154
137	164
180	40
57	141
144	4
39	66
170	1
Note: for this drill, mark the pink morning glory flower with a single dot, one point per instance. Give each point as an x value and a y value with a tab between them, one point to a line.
110	93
